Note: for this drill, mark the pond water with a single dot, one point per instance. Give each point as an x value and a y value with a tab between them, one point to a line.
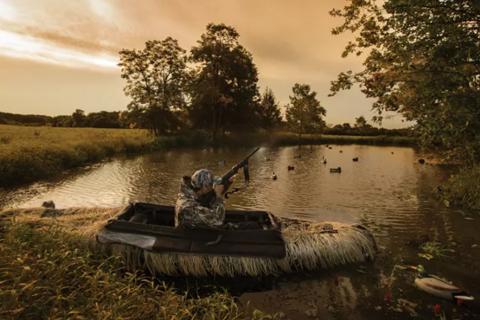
387	190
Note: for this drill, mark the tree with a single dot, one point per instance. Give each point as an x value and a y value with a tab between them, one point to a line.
304	113
104	119
156	79
422	61
360	122
224	90
62	121
269	111
78	118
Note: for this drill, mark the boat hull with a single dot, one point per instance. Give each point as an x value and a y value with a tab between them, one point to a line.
150	227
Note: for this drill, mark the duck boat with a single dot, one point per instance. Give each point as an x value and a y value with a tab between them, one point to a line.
151	227
253	243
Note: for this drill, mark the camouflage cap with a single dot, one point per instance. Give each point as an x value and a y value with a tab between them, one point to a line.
201	178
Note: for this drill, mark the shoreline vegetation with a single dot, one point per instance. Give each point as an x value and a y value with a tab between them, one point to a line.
462	189
28	154
51	270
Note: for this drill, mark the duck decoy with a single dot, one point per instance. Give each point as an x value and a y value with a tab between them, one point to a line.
291	168
274	176
355	159
336	170
48	204
439	287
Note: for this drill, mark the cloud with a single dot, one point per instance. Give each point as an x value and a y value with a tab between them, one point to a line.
74	43
24	47
7	11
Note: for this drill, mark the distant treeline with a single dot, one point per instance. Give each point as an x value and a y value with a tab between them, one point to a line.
124	119
102	119
362	128
24	119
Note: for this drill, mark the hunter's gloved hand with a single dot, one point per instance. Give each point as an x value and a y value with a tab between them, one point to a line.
220	188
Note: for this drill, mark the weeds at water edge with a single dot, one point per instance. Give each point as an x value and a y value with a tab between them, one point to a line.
47	273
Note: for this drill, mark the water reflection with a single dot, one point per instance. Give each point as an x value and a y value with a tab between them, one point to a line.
380	183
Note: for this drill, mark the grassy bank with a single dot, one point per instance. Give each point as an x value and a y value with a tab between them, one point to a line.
462	189
31	153
49	271
287	138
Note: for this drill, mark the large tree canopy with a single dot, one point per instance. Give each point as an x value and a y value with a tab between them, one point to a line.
304	113
422	60
156	78
224	91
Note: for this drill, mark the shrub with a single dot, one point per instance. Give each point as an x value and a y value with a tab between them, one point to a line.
462	189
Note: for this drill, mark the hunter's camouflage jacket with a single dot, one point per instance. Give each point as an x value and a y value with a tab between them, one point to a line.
189	213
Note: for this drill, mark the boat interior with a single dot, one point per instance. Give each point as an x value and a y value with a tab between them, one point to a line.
153	214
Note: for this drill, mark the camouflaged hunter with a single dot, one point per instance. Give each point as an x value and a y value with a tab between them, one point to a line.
198	205
200	201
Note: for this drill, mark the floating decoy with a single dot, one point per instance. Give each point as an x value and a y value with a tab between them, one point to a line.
291	168
324	160
336	170
48	204
421	161
274	176
341	151
392	152
329	147
355	159
439	287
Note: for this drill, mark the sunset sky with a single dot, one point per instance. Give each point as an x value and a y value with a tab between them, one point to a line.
57	56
